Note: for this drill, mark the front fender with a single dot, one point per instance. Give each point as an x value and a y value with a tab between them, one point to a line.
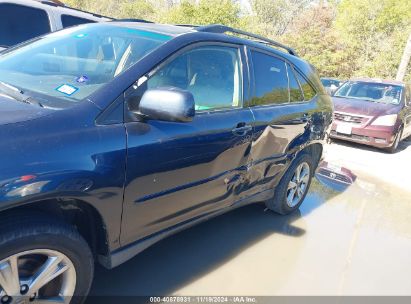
65	156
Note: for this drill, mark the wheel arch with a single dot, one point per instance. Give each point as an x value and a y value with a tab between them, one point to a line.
315	150
83	216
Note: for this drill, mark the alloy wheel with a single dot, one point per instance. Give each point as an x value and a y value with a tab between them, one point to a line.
298	185
37	276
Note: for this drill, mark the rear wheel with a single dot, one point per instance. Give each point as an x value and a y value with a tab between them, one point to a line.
42	260
293	186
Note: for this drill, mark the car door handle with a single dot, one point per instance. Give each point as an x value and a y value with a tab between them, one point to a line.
242	129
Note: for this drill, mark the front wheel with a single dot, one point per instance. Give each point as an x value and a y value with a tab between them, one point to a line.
42	261
397	140
293	186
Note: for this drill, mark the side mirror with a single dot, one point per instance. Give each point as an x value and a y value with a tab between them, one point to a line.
167	104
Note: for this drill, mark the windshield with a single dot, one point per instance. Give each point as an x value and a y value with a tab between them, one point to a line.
73	63
375	92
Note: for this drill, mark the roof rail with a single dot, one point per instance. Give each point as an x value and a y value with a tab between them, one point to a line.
221	29
132	20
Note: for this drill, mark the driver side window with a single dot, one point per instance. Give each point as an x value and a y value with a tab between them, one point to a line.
211	73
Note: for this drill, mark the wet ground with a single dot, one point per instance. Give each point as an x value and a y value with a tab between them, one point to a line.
355	242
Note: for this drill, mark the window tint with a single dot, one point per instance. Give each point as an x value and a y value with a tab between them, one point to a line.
308	90
19	23
212	74
296	94
68	20
271	82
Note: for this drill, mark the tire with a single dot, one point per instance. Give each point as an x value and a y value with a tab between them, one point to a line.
34	239
278	203
397	140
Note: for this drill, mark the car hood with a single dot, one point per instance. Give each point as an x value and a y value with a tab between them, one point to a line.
13	111
363	107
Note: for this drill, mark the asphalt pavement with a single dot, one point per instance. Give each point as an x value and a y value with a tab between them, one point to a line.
355	242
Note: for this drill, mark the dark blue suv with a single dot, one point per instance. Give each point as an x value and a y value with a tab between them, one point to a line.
116	135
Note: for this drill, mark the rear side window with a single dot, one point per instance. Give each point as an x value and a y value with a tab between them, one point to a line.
271	81
308	90
296	95
68	21
19	23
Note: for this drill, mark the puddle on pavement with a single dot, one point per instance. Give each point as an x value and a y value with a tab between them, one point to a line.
337	243
387	206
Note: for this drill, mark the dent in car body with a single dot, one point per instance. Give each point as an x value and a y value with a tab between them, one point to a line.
170	173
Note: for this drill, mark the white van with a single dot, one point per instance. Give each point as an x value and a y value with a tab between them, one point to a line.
21	20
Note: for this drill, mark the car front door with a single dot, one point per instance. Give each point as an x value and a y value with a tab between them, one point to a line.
177	172
282	103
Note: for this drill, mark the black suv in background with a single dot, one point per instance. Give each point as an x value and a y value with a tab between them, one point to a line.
115	135
21	20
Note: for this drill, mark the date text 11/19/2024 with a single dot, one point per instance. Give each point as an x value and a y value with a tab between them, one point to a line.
203	299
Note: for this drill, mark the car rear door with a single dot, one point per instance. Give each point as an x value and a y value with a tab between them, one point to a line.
178	172
282	105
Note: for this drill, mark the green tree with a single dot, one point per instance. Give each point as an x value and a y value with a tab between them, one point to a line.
377	31
272	18
139	9
342	38
203	12
313	37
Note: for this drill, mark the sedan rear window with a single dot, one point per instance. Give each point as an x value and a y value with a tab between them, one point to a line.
75	62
